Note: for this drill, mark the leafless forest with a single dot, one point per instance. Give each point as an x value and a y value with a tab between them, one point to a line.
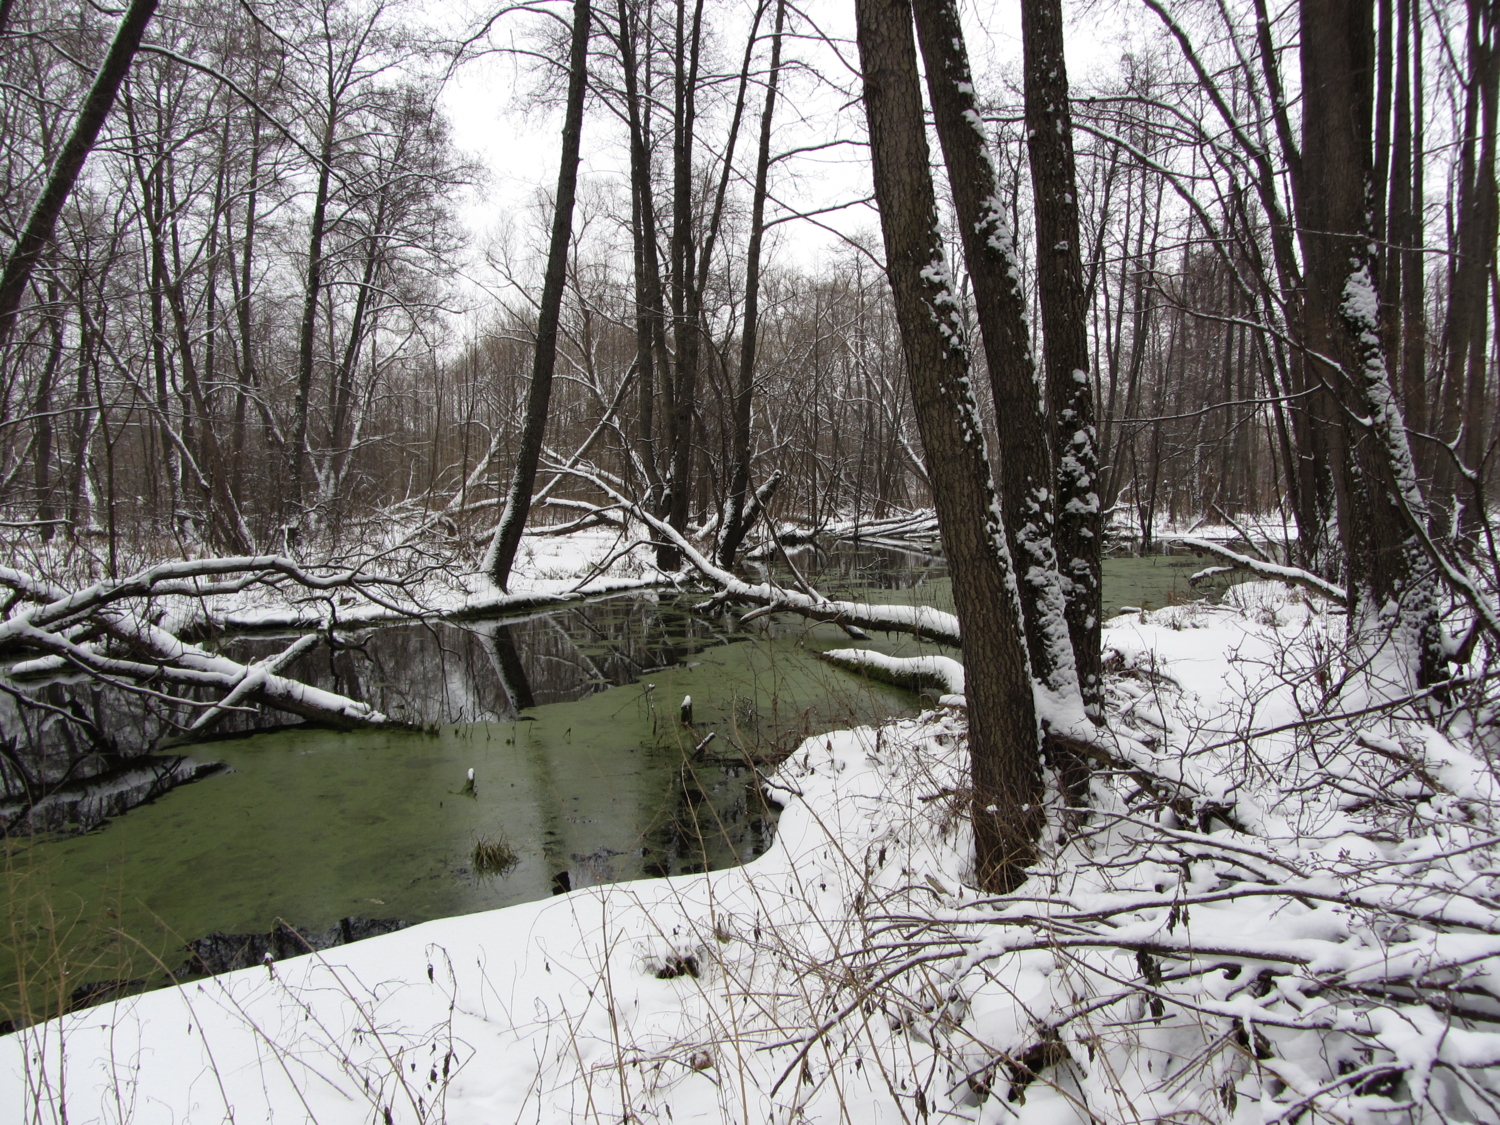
242	327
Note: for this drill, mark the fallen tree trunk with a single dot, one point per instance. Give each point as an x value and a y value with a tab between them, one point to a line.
1304	578
915	673
918	620
98	632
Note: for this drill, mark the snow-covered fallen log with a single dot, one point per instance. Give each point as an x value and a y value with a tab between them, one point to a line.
112	630
921	621
915	673
1265	569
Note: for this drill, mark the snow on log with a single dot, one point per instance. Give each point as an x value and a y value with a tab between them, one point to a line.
921	621
911	672
1304	578
51	619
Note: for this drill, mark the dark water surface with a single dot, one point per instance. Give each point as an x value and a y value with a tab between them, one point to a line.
584	772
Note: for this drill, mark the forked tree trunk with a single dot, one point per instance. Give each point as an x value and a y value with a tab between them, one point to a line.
1025	468
1070	390
502	552
1003	733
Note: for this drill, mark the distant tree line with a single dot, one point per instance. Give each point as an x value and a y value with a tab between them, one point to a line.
239	333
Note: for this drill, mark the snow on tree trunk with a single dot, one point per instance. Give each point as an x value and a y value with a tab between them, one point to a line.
1070	392
1025	468
1004	742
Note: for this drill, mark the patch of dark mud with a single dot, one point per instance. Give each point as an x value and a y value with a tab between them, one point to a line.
79	805
224	953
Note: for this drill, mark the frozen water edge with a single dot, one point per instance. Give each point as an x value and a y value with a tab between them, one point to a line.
695	998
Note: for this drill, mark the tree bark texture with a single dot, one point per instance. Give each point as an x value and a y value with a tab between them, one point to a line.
1375	478
502	552
1003	732
1025	461
42	221
650	315
686	300
1479	261
298	450
740	517
1070	392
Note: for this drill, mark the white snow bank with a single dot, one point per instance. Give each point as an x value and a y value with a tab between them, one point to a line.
1278	908
665	997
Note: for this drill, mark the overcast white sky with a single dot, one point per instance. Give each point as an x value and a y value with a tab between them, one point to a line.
519	148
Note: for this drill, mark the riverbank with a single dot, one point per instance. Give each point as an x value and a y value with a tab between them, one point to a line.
1235	930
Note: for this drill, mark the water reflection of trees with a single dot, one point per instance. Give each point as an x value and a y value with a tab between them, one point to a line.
95	734
488	671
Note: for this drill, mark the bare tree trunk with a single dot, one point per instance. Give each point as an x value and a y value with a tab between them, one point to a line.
1375	478
737	525
502	551
1416	384
42	221
1070	392
649	310
1025	462
42	408
297	446
1401	280
1484	21
686	300
242	307
1003	733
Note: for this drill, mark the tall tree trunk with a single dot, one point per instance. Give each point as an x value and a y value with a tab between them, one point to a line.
1484	17
43	410
298	451
1070	391
242	306
1399	291
1461	427
42	221
1415	383
686	300
1309	475
650	313
341	390
1025	462
502	551
1003	732
1375	478
738	525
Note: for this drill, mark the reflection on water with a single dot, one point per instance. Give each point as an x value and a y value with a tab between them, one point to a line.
569	720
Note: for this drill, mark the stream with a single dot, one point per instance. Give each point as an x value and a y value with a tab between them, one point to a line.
584	772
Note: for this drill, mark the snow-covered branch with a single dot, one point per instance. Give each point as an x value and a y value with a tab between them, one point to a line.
112	630
1304	578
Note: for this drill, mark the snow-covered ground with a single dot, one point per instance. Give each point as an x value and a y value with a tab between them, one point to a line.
1297	926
